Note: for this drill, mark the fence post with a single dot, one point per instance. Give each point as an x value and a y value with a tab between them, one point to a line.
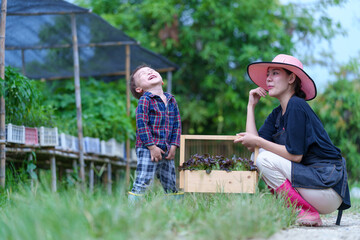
53	173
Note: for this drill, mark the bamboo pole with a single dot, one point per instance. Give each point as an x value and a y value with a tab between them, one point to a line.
109	179
169	81
47	13
53	173
75	165
31	171
2	100
102	44
128	114
121	73
23	66
78	99
91	177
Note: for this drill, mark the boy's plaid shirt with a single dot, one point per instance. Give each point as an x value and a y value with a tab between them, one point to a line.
156	123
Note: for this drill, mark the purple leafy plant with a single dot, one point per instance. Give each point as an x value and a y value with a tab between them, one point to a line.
208	162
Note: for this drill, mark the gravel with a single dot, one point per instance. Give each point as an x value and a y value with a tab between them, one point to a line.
348	229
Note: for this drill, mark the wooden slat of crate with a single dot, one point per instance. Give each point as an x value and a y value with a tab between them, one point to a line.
197	137
220	181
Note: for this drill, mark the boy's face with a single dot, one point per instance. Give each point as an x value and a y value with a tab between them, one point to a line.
147	78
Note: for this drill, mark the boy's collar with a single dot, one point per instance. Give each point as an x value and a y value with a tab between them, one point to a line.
146	93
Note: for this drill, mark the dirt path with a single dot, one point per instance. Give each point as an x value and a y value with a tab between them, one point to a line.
349	229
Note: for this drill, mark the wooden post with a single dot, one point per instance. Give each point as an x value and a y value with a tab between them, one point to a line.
53	173
91	177
117	176
109	180
78	99
31	171
75	166
182	160
169	81
128	114
23	66
2	101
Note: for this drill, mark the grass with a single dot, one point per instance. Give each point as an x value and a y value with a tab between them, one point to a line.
355	205
72	214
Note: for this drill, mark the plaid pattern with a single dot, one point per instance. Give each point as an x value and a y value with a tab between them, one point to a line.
146	170
156	123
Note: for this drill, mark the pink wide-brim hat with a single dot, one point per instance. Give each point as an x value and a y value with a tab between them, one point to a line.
258	73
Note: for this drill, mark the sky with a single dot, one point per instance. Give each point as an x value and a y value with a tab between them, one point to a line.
344	47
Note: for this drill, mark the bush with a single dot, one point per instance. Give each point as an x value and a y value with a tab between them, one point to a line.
103	108
338	108
24	101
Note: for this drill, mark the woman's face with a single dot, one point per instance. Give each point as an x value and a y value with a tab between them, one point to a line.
279	82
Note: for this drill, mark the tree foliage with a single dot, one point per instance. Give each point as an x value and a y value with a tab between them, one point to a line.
213	42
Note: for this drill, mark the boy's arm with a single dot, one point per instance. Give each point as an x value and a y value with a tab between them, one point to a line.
142	119
176	131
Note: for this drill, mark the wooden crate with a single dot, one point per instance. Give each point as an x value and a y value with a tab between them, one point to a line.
216	181
220	181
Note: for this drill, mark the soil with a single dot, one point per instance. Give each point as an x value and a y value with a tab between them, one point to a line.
348	229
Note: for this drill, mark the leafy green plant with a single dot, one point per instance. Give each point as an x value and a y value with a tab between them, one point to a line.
23	99
31	166
208	163
103	108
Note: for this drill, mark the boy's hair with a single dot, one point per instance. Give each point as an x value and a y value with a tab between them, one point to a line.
132	81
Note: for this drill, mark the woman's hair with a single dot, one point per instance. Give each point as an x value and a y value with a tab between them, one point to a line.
297	86
133	84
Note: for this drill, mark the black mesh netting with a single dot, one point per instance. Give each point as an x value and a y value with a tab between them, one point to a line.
29	7
39	42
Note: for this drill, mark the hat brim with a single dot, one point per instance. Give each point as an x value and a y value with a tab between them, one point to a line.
258	73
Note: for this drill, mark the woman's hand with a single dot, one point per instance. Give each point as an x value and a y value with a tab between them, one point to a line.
255	95
247	139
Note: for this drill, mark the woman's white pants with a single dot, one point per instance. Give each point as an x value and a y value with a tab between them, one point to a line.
275	170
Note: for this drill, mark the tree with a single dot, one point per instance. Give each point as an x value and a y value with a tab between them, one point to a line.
213	42
338	108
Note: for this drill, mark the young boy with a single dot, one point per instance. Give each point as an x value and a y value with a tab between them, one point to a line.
158	130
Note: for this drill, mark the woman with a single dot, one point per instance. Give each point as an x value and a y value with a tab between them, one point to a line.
297	158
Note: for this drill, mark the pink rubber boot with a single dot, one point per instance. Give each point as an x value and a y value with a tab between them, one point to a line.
308	215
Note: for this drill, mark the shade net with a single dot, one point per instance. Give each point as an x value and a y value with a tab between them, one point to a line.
29	7
41	45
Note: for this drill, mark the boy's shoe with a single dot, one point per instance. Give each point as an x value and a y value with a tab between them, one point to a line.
134	197
177	196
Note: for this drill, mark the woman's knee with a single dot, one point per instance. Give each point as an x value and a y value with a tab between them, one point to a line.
264	160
